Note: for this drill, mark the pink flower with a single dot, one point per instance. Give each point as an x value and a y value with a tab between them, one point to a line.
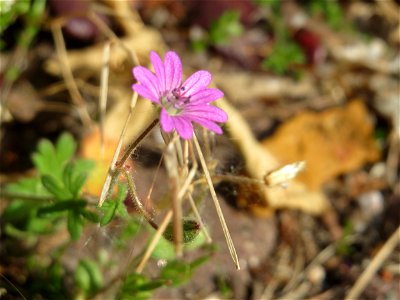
181	104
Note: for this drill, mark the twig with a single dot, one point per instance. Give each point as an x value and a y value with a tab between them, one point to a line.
154	241
198	217
113	172
13	285
104	93
112	36
171	165
68	77
225	229
373	267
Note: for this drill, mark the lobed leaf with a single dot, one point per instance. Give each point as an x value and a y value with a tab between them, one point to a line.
55	187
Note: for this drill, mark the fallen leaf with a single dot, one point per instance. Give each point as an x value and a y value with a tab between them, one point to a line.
258	162
332	142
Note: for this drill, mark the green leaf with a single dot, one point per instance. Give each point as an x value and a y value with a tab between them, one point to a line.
285	54
199	261
37	9
331	10
50	160
12	231
77	184
164	250
40	226
55	187
68	175
96	278
74	224
71	205
90	215
65	147
112	206
19	210
82	278
83	165
177	272
137	287
225	27
180	272
108	209
74	177
190	231
27	186
45	159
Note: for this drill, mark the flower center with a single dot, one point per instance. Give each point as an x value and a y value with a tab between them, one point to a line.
174	102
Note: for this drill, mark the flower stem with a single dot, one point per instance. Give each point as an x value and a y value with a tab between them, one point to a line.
133	146
136	201
115	168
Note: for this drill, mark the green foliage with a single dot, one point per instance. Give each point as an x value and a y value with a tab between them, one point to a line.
10	10
138	287
51	200
190	231
274	5
179	272
331	10
225	27
31	13
129	230
224	287
343	246
221	31
284	55
30	10
114	207
88	276
39	204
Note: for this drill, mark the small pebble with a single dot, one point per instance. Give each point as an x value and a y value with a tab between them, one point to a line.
316	274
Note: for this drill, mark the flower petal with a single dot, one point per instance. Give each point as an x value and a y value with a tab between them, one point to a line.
208	112
173	70
167	124
196	82
208	124
184	127
147	78
159	69
145	92
206	96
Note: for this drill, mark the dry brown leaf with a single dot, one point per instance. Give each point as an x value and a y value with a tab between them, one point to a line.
332	142
259	161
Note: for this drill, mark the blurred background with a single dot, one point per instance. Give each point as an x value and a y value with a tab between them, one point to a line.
304	80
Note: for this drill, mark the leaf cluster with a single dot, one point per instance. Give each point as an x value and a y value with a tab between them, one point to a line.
40	204
221	31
